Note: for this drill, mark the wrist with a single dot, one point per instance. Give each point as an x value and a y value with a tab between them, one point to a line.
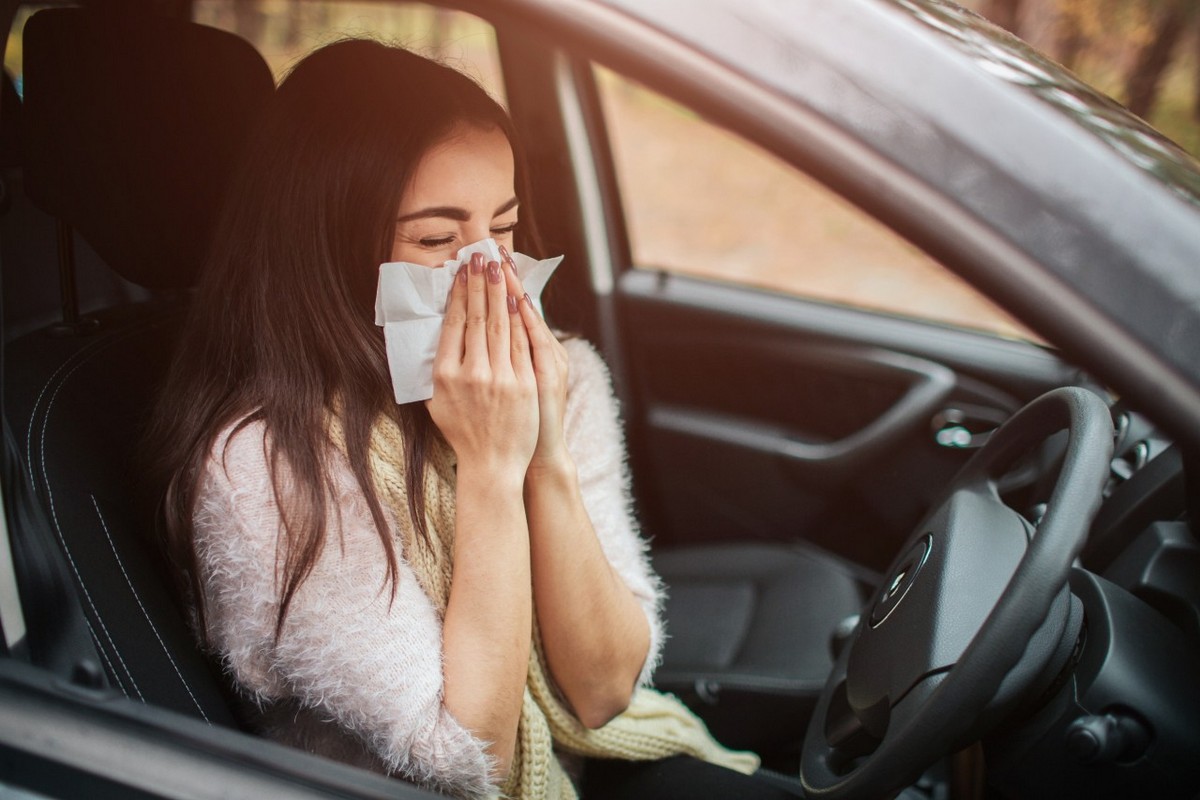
490	479
552	468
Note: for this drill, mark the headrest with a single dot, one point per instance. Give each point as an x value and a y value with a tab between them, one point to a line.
10	123
132	128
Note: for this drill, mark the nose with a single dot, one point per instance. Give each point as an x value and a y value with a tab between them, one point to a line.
474	232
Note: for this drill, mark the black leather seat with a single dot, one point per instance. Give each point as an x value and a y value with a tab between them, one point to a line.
749	628
132	127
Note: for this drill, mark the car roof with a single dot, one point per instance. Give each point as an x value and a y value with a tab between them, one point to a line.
1069	211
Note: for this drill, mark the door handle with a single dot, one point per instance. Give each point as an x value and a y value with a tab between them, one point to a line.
929	385
965	426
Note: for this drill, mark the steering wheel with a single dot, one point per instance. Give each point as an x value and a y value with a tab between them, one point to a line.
973	617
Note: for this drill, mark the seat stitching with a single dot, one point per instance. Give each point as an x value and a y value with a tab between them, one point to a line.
33	418
37	402
112	546
62	539
70	362
100	649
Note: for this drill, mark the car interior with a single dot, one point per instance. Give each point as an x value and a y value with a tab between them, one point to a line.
143	194
773	513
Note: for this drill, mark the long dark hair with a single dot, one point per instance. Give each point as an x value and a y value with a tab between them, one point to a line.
282	324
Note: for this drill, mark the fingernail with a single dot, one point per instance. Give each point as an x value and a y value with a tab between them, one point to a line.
493	272
529	299
462	274
476	263
505	254
512	304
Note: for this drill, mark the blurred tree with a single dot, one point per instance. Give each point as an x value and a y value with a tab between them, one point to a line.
1081	31
1146	53
1005	13
1069	42
1170	20
1196	75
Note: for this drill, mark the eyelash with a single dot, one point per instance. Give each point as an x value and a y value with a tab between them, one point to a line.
443	241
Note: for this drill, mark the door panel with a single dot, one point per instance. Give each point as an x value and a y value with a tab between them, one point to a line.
761	416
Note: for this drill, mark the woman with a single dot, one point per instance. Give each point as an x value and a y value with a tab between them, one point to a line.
370	574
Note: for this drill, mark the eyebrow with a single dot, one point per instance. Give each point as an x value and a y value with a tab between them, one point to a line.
451	212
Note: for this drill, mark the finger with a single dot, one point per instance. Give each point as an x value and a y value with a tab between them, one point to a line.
533	318
541	339
499	319
475	335
510	274
519	342
450	341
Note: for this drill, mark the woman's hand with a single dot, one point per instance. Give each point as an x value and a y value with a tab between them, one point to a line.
485	404
485	393
550	365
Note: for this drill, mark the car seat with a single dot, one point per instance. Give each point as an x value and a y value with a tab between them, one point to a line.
751	628
132	126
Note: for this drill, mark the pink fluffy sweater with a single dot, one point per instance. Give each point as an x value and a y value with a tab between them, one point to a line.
354	677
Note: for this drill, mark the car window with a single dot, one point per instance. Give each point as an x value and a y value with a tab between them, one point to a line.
284	32
702	201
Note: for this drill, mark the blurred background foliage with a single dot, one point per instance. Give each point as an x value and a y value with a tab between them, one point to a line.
1143	53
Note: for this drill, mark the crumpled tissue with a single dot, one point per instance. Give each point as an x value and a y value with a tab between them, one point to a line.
411	302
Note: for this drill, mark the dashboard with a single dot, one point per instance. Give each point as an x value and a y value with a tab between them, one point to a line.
1122	717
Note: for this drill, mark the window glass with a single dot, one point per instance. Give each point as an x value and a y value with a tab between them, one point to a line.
701	201
284	31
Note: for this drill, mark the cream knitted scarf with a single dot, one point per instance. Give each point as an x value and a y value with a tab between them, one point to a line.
654	725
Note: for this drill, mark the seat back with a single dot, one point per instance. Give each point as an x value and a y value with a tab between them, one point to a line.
132	125
132	128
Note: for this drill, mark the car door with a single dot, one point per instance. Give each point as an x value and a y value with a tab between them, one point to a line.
791	369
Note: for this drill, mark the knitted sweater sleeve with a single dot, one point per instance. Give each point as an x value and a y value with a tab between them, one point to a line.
597	444
350	656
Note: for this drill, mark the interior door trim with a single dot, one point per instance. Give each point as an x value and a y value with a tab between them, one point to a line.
1026	368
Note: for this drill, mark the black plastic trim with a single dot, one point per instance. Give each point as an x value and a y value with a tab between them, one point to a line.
106	740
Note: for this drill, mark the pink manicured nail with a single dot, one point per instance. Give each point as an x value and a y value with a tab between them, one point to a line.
529	299
462	274
508	259
493	272
476	263
512	304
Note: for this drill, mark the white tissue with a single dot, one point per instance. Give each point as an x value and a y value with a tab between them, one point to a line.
411	302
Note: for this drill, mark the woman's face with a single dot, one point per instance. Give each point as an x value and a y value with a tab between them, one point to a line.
461	192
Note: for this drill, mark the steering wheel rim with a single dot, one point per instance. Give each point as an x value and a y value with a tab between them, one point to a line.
911	714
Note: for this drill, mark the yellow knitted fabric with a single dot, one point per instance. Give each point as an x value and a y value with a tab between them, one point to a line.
654	726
